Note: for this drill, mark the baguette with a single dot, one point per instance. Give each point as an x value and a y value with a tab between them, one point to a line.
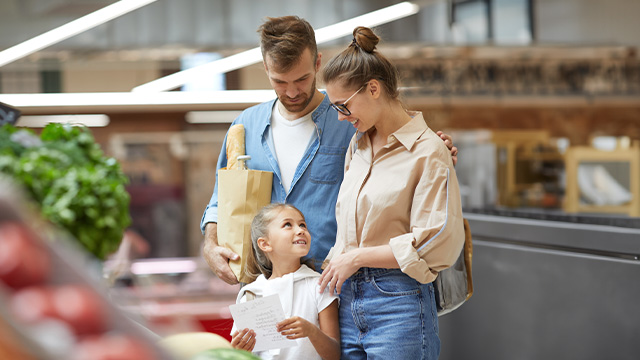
235	146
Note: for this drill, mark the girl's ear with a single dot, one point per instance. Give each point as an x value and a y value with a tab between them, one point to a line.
264	245
374	88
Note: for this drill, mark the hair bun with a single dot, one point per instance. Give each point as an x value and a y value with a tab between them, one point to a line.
365	39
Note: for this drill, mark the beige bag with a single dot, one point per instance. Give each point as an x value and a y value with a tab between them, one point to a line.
241	194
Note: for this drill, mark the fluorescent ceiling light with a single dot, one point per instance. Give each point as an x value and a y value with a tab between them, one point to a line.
212	117
374	18
254	55
70	29
79	100
26	101
39	121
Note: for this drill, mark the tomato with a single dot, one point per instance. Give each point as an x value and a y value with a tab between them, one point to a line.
112	346
32	304
23	261
78	306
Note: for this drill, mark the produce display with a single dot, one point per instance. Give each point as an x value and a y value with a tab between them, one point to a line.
63	208
50	307
76	186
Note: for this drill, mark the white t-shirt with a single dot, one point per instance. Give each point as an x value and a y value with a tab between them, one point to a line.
300	297
291	139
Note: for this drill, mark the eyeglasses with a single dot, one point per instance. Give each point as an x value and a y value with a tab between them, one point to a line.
342	108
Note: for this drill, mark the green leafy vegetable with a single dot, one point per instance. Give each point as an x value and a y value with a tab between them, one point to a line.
76	185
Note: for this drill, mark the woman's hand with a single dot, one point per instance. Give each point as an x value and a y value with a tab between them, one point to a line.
244	339
340	268
296	327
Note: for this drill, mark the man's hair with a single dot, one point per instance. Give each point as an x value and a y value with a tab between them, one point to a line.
284	39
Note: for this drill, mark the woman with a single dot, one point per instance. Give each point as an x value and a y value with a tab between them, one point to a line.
398	211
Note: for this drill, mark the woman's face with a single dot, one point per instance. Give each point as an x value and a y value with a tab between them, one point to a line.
355	105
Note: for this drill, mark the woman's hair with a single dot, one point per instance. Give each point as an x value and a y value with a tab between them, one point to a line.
284	39
360	62
260	229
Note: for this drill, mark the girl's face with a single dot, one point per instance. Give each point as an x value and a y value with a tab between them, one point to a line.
288	236
356	103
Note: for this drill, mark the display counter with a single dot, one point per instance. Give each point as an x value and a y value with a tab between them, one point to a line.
549	285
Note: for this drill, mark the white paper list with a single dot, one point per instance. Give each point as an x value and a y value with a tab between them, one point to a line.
261	315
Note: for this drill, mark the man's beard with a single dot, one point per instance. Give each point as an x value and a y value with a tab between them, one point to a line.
299	107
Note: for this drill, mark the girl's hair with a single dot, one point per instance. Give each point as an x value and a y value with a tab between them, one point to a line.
360	62
284	39
260	229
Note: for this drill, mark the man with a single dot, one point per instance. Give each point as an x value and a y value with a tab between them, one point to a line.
297	137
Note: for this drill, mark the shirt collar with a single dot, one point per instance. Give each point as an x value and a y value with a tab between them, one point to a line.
408	134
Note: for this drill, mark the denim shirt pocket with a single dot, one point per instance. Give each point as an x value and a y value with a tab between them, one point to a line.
327	166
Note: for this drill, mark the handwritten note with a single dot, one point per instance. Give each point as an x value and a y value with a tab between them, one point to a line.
262	315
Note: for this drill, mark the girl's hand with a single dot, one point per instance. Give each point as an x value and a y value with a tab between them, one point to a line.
244	339
340	268
296	327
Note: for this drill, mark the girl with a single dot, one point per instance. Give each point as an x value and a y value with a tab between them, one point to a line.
399	213
280	239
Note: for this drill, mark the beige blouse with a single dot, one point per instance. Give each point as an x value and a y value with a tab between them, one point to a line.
406	196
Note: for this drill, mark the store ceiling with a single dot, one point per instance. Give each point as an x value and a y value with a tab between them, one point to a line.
175	25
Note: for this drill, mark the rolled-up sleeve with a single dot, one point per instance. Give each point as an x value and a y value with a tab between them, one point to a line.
437	229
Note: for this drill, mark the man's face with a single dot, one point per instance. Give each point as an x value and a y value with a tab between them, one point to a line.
295	87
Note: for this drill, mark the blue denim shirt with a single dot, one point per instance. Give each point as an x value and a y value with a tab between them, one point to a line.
316	182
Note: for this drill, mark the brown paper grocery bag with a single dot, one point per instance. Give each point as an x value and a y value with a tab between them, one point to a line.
241	193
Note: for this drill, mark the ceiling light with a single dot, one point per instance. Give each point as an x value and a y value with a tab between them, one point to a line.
39	121
254	55
29	101
70	29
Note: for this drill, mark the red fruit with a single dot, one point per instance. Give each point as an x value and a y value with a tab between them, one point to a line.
76	305
32	304
112	347
23	261
80	307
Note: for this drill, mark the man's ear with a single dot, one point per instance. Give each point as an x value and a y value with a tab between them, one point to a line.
318	62
264	245
374	88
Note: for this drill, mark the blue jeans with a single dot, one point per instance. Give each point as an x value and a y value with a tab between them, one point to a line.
385	314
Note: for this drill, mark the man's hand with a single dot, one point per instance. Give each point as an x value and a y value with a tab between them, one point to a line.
448	140
217	256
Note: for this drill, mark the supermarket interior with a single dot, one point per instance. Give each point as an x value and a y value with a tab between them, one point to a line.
101	241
